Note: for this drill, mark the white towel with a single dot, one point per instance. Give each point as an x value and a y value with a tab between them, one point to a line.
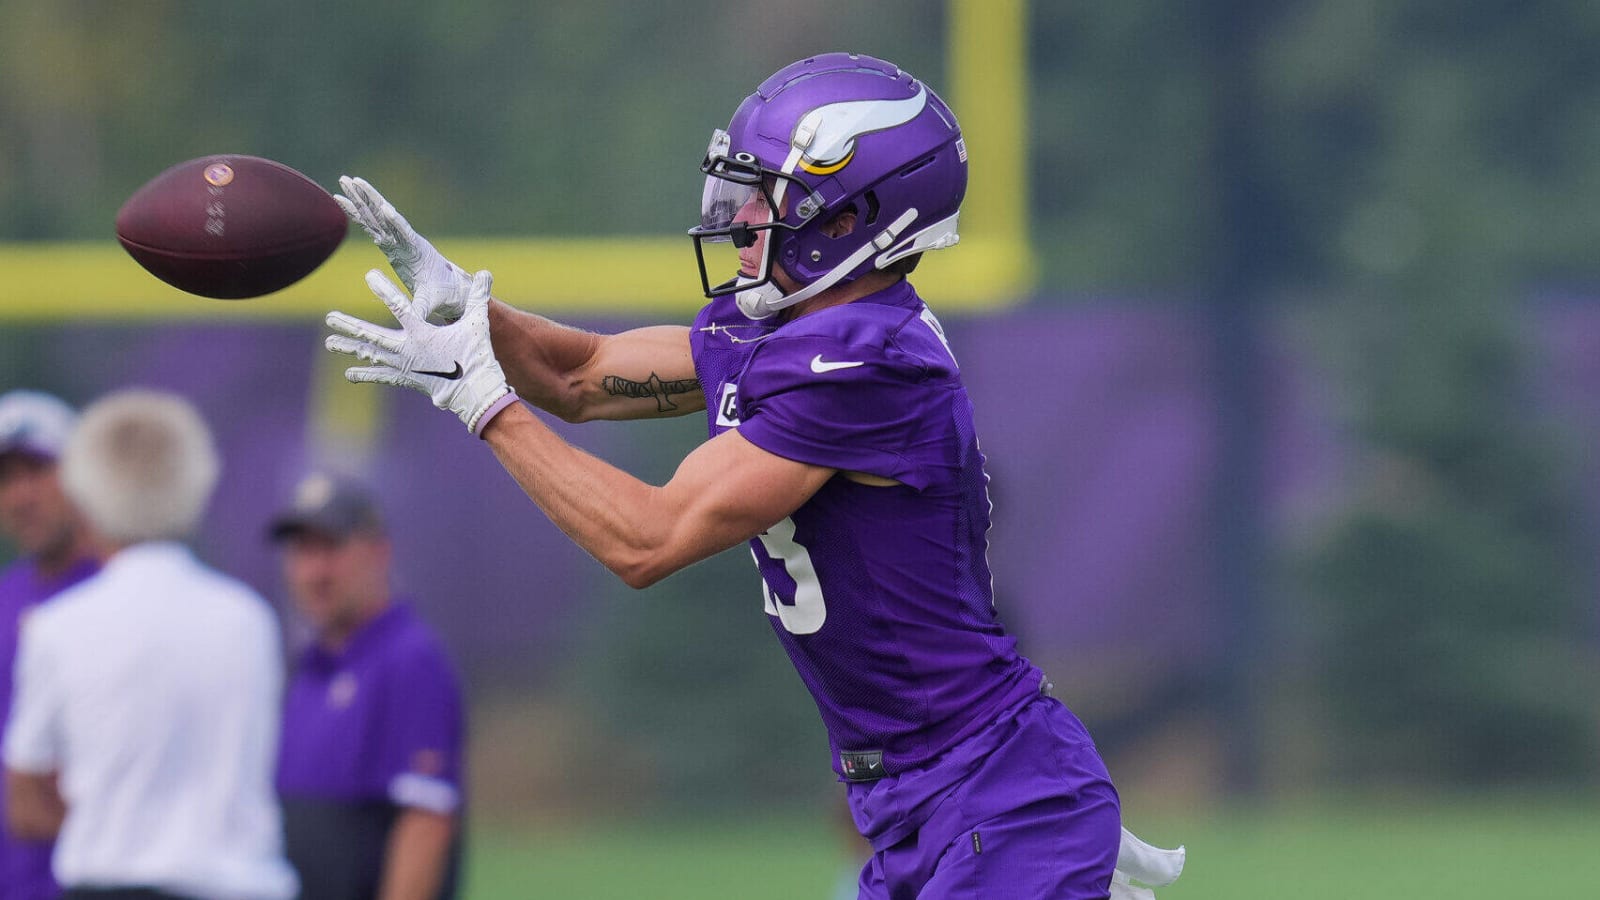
1123	889
1140	862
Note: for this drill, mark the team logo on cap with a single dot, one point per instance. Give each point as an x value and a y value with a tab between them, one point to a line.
313	493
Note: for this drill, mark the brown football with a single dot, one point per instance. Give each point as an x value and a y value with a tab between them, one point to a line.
230	226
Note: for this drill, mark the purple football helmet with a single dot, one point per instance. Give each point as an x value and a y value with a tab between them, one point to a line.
829	134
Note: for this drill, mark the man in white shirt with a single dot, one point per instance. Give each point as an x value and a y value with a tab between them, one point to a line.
145	719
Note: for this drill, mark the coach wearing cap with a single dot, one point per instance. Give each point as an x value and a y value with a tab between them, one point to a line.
56	553
369	771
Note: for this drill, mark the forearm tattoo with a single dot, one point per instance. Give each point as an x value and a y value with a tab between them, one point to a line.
654	387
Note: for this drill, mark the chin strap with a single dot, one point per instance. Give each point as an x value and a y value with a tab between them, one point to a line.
763	301
760	302
937	236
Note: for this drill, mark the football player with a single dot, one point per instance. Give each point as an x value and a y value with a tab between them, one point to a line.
841	446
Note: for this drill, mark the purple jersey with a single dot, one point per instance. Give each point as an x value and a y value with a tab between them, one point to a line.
368	732
382	720
880	595
25	865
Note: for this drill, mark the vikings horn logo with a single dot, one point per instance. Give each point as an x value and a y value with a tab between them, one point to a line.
826	136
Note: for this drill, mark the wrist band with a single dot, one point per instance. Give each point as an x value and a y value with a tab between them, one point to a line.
492	410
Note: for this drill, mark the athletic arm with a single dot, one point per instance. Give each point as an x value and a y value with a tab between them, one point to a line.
416	856
34	808
578	375
726	491
574	374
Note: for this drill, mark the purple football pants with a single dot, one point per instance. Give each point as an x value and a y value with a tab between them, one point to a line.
1031	815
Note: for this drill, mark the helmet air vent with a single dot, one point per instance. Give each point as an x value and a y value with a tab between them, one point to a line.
921	163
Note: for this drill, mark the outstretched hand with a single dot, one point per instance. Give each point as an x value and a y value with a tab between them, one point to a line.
438	286
453	364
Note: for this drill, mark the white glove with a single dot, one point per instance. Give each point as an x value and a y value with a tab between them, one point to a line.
454	364
438	286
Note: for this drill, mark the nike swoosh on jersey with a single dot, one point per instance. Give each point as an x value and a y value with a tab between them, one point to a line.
451	375
819	367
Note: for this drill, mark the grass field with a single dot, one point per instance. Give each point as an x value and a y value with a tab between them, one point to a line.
1459	850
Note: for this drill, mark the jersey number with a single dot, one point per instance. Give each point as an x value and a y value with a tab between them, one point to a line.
807	613
932	321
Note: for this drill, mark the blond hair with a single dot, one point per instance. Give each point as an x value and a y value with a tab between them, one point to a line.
141	466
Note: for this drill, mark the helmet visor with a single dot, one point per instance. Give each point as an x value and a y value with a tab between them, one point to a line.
733	237
721	201
732	181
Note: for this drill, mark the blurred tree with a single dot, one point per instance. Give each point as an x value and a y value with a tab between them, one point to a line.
481	117
688	675
1433	138
1417	166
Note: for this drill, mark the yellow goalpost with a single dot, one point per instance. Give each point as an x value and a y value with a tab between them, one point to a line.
650	277
994	265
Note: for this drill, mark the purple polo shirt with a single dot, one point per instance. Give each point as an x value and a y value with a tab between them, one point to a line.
367	733
25	865
381	720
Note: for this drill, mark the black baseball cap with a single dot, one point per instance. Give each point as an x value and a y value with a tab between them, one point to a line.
326	504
